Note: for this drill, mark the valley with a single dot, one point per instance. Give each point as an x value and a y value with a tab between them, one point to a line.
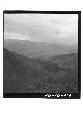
56	74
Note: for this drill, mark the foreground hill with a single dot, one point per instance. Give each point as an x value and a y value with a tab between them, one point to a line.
22	74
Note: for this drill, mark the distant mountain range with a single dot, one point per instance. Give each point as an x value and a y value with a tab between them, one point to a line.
37	49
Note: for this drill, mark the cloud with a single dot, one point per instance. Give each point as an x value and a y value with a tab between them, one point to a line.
11	35
61	28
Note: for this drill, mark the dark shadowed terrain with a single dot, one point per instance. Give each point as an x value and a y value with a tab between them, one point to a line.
55	74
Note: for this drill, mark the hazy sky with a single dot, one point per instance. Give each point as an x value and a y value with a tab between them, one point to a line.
57	28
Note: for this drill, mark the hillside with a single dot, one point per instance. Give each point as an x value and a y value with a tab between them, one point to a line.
37	49
22	74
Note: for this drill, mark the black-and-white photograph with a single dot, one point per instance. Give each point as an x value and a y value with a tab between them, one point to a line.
41	54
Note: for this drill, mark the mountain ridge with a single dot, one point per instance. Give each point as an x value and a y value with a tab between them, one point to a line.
35	49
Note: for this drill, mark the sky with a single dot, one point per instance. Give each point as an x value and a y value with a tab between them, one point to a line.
55	28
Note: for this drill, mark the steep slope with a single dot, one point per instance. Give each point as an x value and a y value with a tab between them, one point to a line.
22	74
14	73
66	60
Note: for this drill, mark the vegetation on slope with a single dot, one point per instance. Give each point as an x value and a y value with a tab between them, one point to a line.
22	74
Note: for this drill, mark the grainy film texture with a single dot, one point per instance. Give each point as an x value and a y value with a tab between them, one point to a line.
40	53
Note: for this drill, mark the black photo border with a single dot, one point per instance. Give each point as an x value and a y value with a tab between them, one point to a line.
49	95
